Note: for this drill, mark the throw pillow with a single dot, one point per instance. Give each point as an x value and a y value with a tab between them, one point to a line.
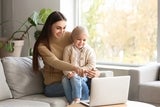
20	76
5	92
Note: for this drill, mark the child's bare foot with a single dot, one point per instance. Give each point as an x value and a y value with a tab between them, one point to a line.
75	101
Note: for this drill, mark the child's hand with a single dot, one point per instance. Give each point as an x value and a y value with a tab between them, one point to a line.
70	74
85	73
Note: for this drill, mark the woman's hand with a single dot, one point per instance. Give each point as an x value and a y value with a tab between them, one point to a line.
90	74
80	71
93	73
70	74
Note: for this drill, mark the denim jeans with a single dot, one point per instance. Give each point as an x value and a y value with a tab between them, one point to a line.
76	87
54	90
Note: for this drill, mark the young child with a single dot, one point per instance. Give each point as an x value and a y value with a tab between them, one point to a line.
82	55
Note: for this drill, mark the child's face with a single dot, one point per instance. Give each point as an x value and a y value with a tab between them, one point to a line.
80	40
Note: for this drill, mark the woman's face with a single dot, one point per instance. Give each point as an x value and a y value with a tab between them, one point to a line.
58	28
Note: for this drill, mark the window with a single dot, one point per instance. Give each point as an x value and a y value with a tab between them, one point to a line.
121	31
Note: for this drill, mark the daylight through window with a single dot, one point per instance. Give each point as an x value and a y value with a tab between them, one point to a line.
121	31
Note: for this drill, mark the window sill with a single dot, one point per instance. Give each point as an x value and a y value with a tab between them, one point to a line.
116	67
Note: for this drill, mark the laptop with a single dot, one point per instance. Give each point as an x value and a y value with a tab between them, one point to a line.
108	91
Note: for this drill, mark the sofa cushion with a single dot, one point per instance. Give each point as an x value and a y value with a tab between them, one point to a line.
53	101
20	77
150	92
4	89
22	103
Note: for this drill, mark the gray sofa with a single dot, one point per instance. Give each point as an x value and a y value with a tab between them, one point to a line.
145	84
20	87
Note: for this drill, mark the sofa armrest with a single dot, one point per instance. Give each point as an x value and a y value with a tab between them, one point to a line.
140	75
145	73
106	74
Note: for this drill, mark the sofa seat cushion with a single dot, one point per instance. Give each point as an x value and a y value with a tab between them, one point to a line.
22	103
5	92
20	76
53	101
150	92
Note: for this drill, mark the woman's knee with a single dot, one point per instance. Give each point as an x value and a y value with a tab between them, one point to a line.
55	90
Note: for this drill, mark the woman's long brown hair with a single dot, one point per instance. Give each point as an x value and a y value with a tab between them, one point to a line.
44	36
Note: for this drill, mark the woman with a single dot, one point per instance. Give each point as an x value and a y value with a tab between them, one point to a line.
49	46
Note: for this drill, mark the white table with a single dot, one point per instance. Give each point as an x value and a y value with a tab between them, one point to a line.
128	104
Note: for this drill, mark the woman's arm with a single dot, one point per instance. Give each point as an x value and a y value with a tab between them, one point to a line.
49	58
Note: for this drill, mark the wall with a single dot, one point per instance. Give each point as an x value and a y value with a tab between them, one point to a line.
7	16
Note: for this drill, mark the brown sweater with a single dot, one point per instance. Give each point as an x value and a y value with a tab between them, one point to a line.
53	64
